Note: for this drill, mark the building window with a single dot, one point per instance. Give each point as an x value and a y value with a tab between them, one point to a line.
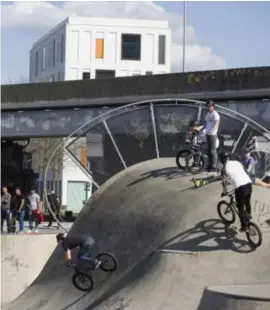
44	58
53	53
148	73
36	64
59	76
62	46
105	74
100	48
131	47
51	78
161	50
86	75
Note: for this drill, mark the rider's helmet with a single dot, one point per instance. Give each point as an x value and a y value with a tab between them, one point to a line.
194	124
223	157
210	103
60	237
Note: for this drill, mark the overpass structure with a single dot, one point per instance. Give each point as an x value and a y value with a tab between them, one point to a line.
56	109
124	136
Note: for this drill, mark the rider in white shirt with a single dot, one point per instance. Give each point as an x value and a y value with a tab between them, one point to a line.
242	186
212	120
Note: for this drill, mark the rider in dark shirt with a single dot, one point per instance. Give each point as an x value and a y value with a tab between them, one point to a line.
194	130
83	243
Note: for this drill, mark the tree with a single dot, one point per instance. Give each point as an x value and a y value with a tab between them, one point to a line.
42	149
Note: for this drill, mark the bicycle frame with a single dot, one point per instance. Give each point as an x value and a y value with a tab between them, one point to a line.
233	203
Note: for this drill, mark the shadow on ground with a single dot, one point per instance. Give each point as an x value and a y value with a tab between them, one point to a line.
169	173
209	235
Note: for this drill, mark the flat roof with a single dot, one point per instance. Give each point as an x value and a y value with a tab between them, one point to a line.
106	22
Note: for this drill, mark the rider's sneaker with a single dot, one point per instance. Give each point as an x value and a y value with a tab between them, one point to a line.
243	229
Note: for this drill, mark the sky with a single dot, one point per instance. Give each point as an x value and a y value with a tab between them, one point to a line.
218	34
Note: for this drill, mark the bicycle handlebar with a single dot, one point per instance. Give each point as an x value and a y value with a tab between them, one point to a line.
230	193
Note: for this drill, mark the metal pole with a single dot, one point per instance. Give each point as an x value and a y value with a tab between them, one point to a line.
239	138
153	120
184	36
114	143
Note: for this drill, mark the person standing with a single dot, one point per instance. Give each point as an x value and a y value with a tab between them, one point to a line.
5	208
33	205
19	210
212	120
55	207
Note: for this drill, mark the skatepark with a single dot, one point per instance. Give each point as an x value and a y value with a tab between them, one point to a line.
173	250
153	207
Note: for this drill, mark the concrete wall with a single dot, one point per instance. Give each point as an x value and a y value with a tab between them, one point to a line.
22	259
80	34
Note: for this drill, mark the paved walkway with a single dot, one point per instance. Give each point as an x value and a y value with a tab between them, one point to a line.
43	229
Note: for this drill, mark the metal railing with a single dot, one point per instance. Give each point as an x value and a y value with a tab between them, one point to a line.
150	104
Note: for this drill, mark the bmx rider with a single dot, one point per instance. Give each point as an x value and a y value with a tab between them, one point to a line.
234	173
84	245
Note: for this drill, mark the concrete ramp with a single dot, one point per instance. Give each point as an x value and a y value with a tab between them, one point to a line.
239	297
140	210
22	259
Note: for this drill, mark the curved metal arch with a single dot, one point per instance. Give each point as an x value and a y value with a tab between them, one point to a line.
126	109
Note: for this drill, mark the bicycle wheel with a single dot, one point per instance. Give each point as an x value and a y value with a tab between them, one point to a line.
254	231
181	158
83	281
226	212
195	163
108	262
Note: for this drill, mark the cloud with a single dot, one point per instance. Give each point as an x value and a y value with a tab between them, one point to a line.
47	14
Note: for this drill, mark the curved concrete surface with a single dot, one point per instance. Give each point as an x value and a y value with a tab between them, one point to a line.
22	259
238	297
145	207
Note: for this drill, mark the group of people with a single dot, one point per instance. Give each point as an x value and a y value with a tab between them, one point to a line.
209	132
240	174
15	205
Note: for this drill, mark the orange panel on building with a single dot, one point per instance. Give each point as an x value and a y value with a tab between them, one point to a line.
100	48
83	156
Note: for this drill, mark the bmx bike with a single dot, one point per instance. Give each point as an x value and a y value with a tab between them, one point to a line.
227	211
81	278
189	158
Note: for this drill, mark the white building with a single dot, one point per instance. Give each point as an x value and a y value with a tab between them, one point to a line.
85	47
64	176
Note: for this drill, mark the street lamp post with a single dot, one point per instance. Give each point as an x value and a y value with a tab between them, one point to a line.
184	36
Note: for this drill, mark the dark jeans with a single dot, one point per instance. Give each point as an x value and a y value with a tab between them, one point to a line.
20	216
243	197
56	213
5	215
211	151
84	254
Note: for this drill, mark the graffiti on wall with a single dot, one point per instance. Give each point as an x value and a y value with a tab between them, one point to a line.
63	122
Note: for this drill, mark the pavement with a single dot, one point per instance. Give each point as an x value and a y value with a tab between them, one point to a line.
43	228
148	207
